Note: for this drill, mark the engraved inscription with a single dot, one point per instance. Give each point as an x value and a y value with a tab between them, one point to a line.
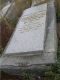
32	22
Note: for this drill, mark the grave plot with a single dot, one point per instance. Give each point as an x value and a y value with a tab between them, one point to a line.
33	59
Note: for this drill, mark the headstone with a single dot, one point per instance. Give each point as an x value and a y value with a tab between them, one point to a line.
29	35
18	61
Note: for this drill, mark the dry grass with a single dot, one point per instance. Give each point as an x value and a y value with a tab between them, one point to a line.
58	3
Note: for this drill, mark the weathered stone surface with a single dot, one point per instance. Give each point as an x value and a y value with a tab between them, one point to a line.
34	61
30	31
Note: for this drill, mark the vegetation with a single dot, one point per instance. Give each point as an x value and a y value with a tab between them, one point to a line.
58	9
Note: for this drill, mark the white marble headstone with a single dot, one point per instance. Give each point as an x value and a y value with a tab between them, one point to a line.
30	31
17	62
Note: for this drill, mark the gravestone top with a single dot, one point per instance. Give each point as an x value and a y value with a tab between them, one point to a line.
30	31
37	2
4	10
35	61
